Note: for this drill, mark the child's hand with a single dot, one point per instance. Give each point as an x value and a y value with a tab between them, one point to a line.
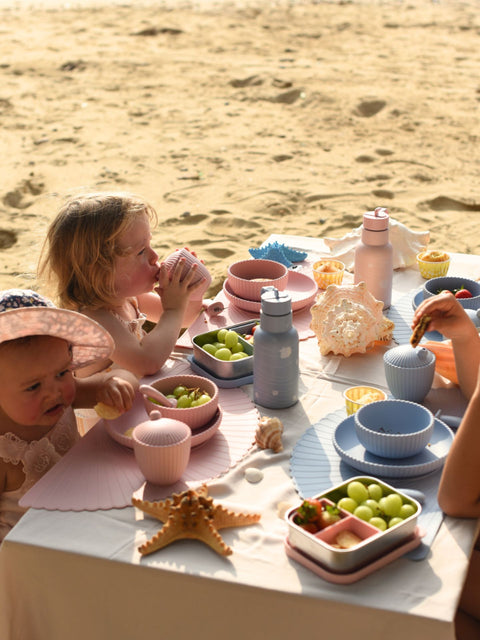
447	315
175	291
116	392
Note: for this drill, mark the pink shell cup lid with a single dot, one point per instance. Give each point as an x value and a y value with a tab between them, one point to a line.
161	432
376	220
26	313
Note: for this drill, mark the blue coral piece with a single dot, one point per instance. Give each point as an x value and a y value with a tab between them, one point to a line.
279	253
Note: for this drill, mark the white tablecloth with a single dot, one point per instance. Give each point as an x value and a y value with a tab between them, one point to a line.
79	575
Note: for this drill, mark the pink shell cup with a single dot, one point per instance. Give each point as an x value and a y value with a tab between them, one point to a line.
162	448
190	260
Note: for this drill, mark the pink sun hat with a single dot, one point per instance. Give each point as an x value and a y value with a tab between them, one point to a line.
24	312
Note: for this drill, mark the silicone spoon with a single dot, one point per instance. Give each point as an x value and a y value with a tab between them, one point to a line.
151	392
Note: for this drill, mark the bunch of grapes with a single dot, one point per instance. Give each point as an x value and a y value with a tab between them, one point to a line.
187	397
227	346
369	503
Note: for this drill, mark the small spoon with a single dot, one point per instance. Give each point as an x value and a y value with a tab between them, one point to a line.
151	392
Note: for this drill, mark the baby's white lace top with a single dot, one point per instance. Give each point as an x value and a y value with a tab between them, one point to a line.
36	458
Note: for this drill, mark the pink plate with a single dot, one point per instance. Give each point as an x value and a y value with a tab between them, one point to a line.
301	287
116	429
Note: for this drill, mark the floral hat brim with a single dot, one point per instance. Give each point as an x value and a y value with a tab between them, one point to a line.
26	313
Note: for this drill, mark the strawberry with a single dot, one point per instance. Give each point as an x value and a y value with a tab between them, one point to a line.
463	293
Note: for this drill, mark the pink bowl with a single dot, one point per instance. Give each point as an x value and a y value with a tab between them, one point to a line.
190	260
247	277
194	417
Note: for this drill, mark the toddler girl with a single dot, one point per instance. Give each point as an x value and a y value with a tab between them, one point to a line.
40	346
98	255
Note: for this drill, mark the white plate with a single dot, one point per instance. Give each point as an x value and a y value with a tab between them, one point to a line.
116	430
353	453
301	288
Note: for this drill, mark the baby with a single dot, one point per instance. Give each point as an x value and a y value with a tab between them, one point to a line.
40	347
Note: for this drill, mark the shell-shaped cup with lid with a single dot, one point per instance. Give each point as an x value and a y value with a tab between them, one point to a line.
162	448
409	372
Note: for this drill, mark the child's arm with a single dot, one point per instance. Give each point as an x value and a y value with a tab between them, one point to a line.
459	491
449	318
115	388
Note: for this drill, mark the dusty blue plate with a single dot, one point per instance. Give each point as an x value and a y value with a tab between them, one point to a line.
353	453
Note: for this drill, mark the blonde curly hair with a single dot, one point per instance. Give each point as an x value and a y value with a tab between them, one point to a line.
78	257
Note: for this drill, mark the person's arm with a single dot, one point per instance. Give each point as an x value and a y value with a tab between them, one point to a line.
449	318
115	388
459	490
147	356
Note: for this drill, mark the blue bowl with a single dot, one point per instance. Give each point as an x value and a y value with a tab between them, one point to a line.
394	428
433	286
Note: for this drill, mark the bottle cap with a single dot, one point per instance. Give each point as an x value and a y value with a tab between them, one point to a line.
376	220
275	302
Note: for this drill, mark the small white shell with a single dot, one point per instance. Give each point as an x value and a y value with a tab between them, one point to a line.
269	434
253	475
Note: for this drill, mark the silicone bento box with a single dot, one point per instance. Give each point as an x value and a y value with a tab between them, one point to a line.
228	369
374	542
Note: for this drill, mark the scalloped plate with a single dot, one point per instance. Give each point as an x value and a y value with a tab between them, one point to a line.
353	453
301	287
117	431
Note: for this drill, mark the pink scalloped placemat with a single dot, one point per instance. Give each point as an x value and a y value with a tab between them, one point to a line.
98	473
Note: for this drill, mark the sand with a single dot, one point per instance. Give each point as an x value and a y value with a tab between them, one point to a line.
236	121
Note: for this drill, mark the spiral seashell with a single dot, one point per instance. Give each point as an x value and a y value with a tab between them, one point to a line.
269	434
348	319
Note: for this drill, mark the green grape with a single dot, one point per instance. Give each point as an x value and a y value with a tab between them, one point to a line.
219	345
221	333
348	504
184	401
363	512
393	521
238	356
391	504
373	505
231	339
237	348
209	348
203	399
179	391
378	522
375	491
357	491
406	510
223	353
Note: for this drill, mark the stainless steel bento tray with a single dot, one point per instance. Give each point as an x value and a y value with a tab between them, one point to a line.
374	544
228	369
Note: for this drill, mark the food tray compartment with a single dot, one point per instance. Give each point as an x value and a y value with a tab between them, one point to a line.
373	546
227	369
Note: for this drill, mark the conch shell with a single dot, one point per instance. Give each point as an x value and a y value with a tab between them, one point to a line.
348	319
269	434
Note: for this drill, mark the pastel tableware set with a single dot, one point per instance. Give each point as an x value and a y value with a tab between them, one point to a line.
246	278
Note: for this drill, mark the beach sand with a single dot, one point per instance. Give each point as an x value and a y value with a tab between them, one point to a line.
237	122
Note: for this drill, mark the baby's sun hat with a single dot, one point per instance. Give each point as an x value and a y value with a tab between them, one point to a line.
26	313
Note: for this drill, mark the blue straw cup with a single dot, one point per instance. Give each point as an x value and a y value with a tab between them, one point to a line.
409	372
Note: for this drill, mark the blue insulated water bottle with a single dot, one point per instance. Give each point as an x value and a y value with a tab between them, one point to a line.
275	352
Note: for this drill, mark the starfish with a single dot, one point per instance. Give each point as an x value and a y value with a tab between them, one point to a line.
192	515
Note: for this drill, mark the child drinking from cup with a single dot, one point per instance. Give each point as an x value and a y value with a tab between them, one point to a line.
40	347
99	257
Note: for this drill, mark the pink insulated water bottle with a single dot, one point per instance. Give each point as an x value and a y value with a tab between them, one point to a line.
374	256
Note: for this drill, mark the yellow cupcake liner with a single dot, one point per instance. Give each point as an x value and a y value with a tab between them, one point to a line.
324	278
356	397
430	270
